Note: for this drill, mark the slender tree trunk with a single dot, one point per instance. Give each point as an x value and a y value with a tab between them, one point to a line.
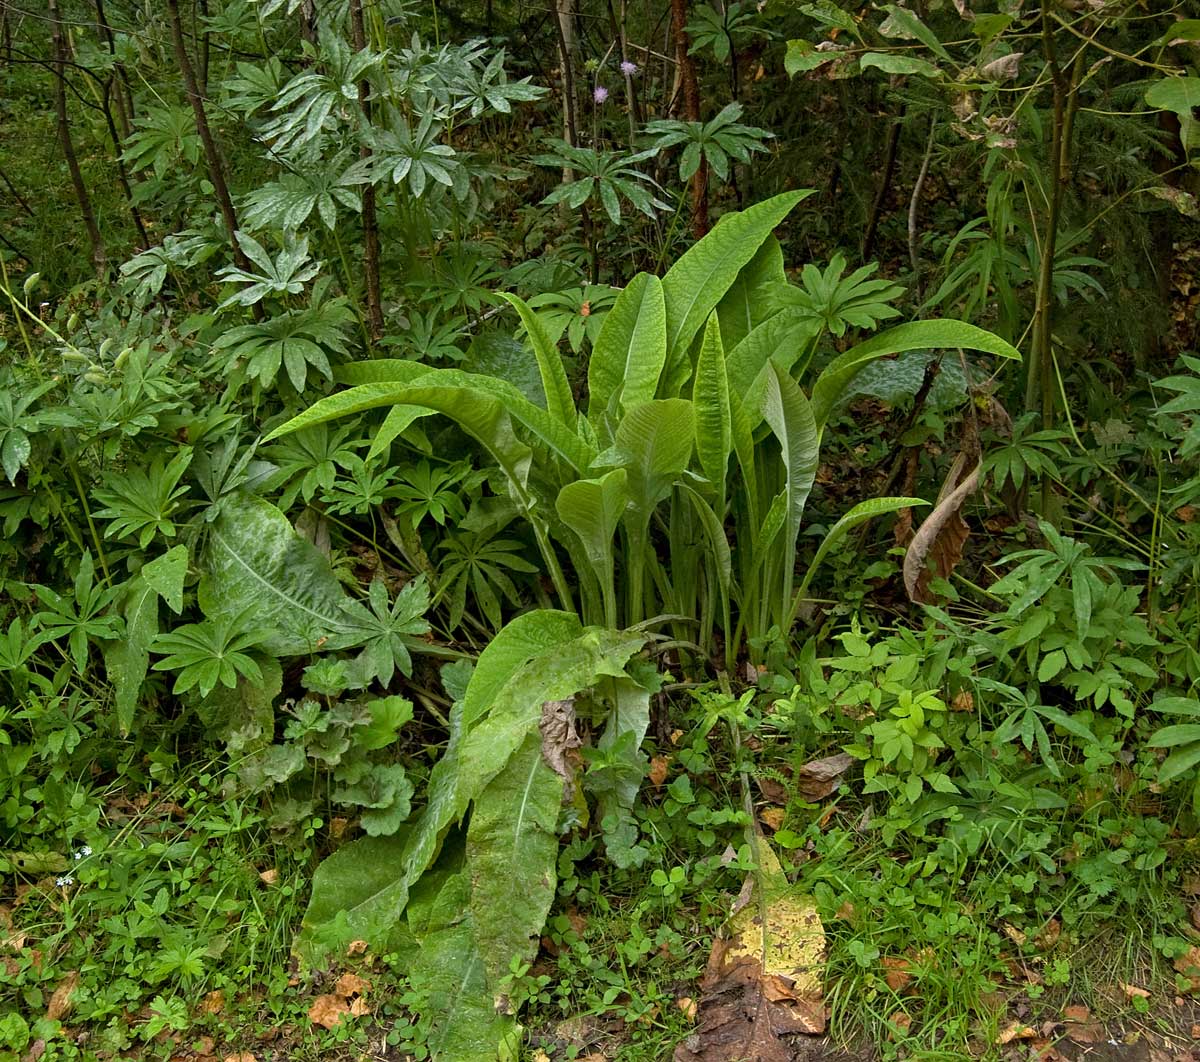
885	185
212	155
691	102
200	33
564	20
59	54
370	220
118	151
125	111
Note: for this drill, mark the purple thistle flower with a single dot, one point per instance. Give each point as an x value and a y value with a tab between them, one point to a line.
599	93
628	68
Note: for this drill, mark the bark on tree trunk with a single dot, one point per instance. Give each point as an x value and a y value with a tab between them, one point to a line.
125	94
691	103
59	55
212	156
370	220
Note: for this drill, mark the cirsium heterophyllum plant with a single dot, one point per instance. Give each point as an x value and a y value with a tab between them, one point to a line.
631	498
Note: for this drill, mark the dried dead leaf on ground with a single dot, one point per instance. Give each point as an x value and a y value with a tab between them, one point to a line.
1078	1013
328	1010
1015	1031
1188	964
763	979
350	984
772	818
1135	992
817	779
241	1056
356	947
269	877
214	1002
60	1002
898	972
658	770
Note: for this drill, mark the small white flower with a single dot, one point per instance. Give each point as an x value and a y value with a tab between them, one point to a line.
83	853
65	882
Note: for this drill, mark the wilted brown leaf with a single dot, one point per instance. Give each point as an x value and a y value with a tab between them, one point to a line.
350	984
214	1003
964	701
1134	992
899	1024
687	1006
560	741
1077	1013
658	770
269	877
1015	1031
898	972
1049	935
773	790
359	1007
356	947
942	535
241	1056
1014	934
772	818
1188	964
817	779
60	1001
327	1010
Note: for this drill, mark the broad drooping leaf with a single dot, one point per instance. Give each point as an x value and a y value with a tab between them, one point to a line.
554	378
837	376
696	283
548	657
655	442
257	567
747	304
630	351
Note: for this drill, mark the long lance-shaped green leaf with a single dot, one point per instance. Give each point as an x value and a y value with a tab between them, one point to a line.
128	659
695	284
722	563
861	513
783	339
747	302
916	335
593	508
710	399
397	421
512	853
790	417
380	370
630	351
480	405
559	402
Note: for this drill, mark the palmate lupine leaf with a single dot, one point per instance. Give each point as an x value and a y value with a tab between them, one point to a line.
210	653
608	177
286	274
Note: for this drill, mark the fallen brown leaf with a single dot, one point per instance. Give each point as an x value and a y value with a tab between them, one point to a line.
658	770
1049	935
763	980
269	877
213	1003
964	701
1077	1013
1134	992
241	1056
817	779
688	1006
899	972
1015	1031
772	818
60	1002
1087	1032
359	1007
1188	964
327	1011
899	1024
350	984
356	947
773	790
